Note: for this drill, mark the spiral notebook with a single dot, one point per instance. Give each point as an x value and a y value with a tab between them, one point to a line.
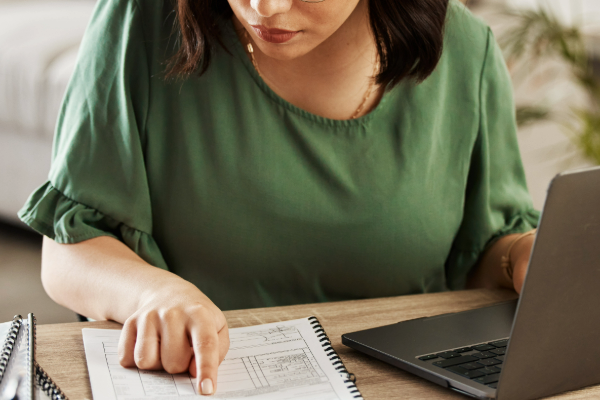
21	377
284	360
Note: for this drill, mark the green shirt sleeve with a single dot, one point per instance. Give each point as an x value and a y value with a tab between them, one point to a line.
497	201
97	184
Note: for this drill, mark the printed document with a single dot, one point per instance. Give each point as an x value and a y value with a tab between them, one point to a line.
283	360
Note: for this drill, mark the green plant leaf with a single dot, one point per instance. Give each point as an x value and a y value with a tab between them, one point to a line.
588	137
530	114
538	35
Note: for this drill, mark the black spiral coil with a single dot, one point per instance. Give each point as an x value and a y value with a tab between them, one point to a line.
42	379
349	379
47	384
9	343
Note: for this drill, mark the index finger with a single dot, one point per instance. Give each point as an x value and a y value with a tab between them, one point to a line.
205	342
223	349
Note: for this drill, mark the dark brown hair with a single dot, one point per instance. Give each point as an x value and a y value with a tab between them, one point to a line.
409	36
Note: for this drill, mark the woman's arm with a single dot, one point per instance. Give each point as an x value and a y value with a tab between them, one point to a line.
168	322
489	272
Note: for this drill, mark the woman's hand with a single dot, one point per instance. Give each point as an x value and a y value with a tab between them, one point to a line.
168	322
490	273
520	254
177	329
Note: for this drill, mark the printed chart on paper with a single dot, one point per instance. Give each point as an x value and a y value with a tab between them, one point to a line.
284	360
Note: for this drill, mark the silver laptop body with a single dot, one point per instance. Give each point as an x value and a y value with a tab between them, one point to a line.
554	327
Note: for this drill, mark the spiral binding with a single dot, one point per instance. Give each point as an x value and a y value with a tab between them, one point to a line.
47	384
42	379
9	343
30	356
349	379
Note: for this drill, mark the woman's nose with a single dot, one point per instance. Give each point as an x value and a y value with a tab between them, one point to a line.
268	8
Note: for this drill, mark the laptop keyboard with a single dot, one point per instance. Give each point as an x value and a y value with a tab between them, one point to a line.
481	362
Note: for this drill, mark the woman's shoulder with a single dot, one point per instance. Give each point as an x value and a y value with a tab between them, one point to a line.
120	30
467	37
146	8
153	17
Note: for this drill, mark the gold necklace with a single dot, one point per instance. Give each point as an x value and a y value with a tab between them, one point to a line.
367	94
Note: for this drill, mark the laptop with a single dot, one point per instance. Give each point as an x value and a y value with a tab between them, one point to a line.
546	342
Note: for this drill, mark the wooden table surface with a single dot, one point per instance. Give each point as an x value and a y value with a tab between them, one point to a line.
60	347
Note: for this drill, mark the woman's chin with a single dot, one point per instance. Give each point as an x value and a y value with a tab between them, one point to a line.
284	51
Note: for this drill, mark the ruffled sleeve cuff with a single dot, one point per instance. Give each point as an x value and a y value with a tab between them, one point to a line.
51	213
461	261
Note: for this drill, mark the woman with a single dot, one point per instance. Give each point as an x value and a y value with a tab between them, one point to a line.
278	171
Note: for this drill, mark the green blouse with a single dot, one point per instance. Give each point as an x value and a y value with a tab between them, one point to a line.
259	203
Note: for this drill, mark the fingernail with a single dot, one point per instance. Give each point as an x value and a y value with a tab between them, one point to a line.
206	386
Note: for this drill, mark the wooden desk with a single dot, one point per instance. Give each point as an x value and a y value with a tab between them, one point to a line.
60	347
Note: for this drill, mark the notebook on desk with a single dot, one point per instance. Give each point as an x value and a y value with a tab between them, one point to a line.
283	360
21	377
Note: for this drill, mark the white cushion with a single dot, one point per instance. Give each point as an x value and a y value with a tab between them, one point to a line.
24	165
38	48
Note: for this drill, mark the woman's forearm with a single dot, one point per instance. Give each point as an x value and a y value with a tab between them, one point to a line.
489	272
101	278
167	322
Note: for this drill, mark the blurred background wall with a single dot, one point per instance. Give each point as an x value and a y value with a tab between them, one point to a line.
555	87
580	12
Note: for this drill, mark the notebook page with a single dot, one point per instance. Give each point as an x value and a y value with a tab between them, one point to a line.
283	360
6	390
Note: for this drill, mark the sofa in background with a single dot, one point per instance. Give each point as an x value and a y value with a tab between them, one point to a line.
39	40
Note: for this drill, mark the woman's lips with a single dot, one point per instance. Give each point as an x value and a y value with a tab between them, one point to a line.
273	35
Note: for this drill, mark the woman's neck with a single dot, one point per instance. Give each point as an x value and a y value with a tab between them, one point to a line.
332	79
